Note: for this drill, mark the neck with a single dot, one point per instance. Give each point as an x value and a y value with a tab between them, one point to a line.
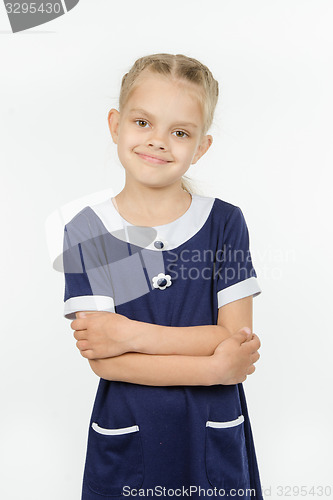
152	204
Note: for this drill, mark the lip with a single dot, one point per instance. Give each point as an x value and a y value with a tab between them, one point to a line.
152	159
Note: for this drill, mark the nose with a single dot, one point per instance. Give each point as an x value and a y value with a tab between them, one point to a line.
157	140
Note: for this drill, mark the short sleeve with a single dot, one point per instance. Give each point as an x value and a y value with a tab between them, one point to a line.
236	277
88	285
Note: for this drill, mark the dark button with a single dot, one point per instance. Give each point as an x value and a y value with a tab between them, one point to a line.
162	282
158	244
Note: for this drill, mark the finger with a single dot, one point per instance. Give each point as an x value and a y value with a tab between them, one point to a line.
251	347
251	369
82	345
254	343
241	336
255	357
79	324
80	334
88	354
248	331
256	338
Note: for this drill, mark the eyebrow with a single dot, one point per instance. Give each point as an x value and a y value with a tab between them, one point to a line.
143	112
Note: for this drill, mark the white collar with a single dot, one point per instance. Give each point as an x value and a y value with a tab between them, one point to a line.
171	235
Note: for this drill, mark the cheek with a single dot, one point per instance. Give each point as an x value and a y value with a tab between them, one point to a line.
126	142
130	139
184	152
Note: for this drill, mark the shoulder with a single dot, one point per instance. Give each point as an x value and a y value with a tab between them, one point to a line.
84	224
225	207
81	217
84	232
225	213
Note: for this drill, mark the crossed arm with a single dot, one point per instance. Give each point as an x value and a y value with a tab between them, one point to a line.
118	348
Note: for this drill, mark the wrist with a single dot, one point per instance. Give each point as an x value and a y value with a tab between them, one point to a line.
216	371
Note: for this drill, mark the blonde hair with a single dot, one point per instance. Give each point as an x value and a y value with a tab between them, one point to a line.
176	66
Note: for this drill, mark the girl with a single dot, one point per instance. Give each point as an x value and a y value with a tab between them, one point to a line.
171	275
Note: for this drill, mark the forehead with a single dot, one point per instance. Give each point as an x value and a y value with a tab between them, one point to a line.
154	92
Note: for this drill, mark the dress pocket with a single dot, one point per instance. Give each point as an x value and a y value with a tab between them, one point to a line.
114	459
226	455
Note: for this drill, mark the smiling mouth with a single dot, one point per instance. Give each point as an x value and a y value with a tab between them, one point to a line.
152	159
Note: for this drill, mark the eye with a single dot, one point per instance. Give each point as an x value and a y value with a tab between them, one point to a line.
140	122
181	132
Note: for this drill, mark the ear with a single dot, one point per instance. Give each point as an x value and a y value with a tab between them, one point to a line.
113	121
204	145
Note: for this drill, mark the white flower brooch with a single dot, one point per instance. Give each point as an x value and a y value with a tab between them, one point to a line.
161	281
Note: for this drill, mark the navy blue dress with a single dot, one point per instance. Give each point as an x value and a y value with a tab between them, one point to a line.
187	441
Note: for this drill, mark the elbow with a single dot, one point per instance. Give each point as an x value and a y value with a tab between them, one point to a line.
96	367
103	369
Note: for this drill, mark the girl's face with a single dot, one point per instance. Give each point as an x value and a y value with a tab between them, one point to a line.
159	131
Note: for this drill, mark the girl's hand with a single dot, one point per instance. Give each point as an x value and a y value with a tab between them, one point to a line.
102	334
233	359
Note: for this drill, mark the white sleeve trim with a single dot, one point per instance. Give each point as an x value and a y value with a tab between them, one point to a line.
88	303
237	291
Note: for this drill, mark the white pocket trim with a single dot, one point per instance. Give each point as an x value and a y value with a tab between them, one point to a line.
231	423
111	432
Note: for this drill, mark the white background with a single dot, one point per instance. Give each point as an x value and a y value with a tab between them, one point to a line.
272	156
